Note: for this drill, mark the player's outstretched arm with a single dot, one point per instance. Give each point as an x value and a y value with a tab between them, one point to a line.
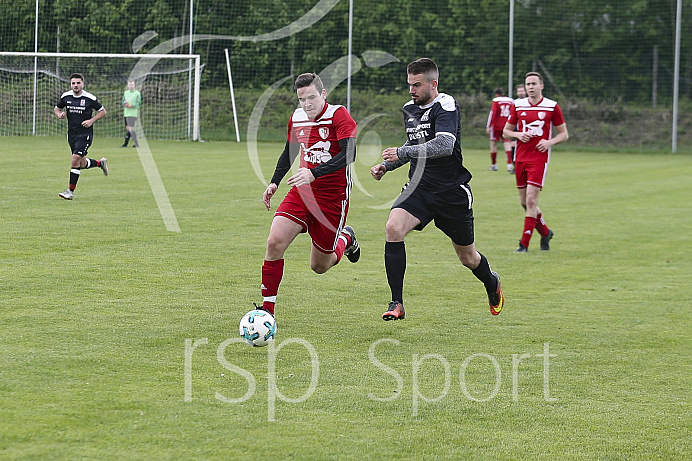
441	145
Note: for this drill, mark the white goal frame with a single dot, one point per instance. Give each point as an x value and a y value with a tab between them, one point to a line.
141	68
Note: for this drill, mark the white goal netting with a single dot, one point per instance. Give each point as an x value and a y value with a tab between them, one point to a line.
31	85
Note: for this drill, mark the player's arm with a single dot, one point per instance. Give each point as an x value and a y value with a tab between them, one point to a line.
58	113
441	145
284	163
346	155
509	133
562	136
99	115
491	119
286	159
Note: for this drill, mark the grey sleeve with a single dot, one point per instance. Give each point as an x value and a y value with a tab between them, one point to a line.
440	146
389	166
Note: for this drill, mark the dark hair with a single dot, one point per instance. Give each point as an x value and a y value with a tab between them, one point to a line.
424	66
534	74
307	79
499	92
521	85
79	76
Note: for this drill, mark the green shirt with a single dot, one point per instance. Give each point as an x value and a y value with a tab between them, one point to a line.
135	100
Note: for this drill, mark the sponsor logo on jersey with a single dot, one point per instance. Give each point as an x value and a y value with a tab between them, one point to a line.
317	153
535	128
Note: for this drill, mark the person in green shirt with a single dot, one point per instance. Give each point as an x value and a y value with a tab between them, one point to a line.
132	100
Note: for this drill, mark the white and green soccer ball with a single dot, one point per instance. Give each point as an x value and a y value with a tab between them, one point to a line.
258	328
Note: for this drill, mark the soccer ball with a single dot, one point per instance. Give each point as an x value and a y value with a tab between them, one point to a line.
258	328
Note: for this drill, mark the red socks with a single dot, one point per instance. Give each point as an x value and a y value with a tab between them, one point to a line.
529	226
493	157
341	245
272	273
541	227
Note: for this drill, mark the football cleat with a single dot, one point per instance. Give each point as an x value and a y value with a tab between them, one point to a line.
352	252
104	166
521	249
545	241
259	307
492	168
395	311
496	298
67	195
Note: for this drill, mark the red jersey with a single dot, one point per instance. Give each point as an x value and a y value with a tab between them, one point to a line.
319	142
499	112
538	120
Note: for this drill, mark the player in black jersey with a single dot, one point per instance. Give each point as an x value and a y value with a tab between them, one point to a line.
438	187
79	106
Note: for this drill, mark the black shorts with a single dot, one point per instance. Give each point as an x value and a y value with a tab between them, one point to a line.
130	121
79	143
451	210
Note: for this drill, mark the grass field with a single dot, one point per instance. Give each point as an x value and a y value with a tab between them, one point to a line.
113	330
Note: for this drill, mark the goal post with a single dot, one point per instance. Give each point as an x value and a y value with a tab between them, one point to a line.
31	83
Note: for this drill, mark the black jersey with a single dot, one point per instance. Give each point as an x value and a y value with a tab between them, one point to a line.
441	117
79	109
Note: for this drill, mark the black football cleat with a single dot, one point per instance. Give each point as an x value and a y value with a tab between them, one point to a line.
352	252
545	241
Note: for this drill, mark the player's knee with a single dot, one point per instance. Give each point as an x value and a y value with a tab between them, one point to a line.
394	231
275	246
469	258
319	267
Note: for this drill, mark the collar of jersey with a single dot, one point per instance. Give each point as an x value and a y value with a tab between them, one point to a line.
324	109
428	105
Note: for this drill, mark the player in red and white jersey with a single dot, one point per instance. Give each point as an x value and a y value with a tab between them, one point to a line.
497	119
531	123
324	137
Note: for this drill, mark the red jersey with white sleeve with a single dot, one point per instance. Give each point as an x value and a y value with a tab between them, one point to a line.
319	142
538	120
499	112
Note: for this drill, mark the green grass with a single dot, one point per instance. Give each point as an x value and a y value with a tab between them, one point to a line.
98	300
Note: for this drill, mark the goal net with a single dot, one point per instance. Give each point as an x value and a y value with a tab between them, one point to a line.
32	83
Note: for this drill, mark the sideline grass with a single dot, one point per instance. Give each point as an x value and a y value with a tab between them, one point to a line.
98	300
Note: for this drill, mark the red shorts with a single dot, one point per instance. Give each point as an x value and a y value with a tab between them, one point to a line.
321	217
496	135
530	173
